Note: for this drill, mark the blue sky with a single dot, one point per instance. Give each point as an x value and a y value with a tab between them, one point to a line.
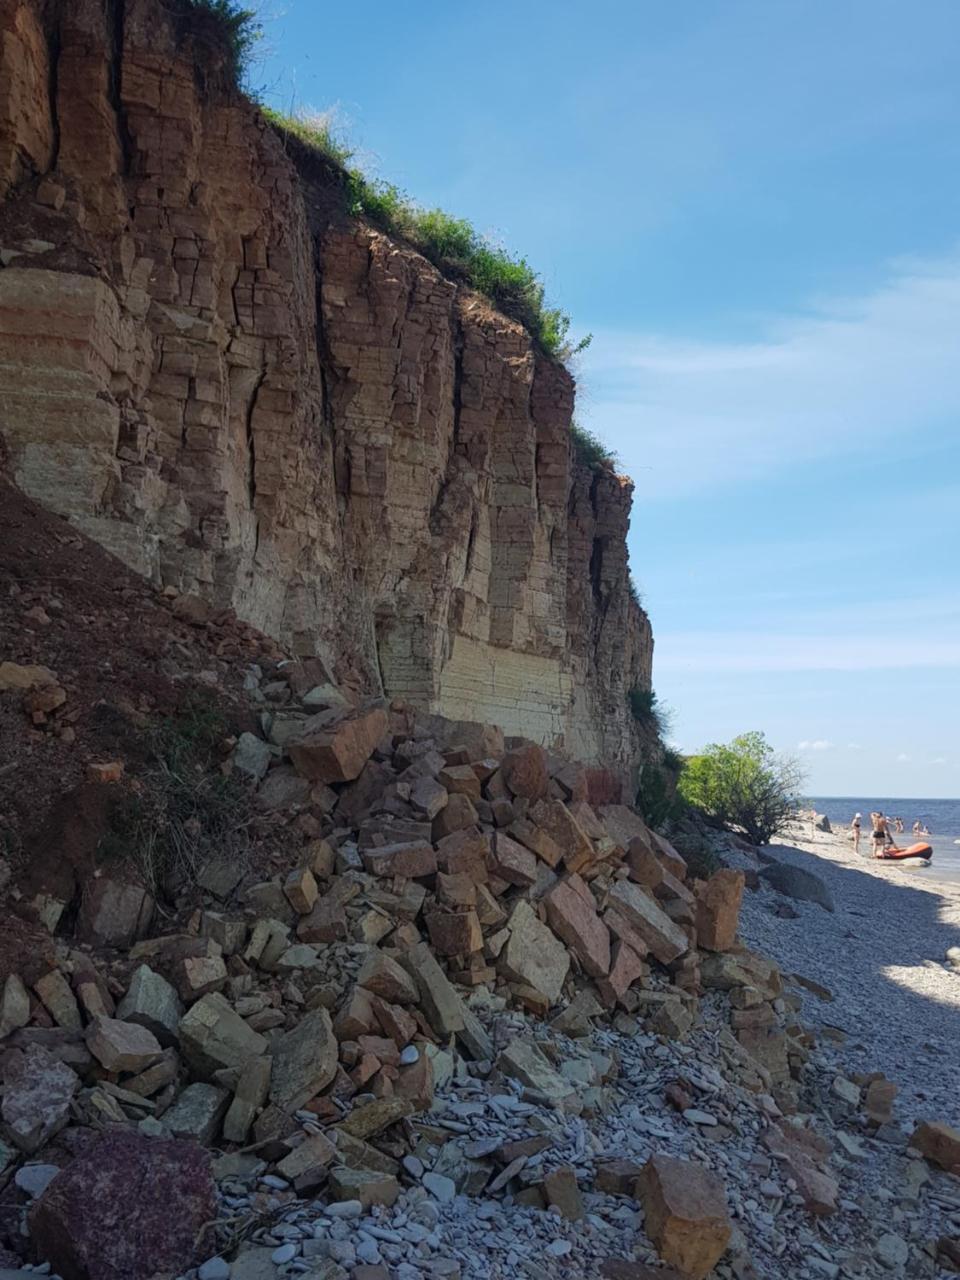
755	209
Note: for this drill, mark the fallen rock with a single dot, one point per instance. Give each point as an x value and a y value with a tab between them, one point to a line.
666	940
249	1096
796	883
523	1061
938	1143
54	990
306	1165
512	862
252	756
114	913
213	1035
197	1113
454	933
686	1213
168	1199
368	1187
304	1061
533	955
152	1002
439	1000
572	913
524	770
301	890
14	676
718	910
560	1188
37	1092
14	1005
122	1046
339	753
373	1117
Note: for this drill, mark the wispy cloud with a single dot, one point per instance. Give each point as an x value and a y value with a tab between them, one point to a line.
818	744
939	760
789	651
844	376
903	758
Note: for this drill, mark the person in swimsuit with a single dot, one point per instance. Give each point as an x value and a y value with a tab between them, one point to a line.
880	835
855	828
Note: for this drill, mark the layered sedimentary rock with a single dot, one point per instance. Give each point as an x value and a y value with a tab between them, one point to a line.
245	394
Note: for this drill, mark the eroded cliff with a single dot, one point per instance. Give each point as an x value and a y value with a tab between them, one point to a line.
244	393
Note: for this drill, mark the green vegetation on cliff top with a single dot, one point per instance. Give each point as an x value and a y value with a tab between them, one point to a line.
452	244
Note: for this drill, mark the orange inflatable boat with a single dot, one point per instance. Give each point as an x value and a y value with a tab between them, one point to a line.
893	854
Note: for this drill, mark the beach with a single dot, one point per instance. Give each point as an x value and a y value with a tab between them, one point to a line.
881	954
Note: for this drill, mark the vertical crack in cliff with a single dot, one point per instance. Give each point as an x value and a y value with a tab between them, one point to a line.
117	20
452	468
458	344
325	363
252	458
54	46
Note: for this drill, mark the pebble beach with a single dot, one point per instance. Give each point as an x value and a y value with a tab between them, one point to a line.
882	953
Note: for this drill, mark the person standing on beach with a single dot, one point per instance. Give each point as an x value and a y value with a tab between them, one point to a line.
880	835
855	828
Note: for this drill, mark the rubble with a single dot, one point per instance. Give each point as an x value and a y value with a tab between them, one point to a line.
457	998
686	1214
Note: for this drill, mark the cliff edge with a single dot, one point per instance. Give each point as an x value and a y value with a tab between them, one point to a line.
244	393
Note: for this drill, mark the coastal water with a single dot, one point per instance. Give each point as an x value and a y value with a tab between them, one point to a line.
942	817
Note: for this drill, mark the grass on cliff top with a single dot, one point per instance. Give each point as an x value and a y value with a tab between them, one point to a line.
233	26
452	244
590	449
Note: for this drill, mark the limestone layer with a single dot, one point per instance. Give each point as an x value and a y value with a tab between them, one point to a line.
245	394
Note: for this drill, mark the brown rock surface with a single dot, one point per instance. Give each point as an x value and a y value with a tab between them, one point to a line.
466	569
938	1143
573	917
338	754
686	1213
718	910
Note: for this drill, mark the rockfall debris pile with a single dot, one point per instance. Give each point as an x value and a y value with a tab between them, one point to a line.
452	1014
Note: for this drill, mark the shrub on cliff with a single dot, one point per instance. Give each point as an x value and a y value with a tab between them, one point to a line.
590	449
650	712
657	797
745	785
234	27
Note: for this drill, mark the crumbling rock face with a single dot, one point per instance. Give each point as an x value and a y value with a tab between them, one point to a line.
249	397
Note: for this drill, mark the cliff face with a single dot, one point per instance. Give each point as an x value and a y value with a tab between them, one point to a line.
242	393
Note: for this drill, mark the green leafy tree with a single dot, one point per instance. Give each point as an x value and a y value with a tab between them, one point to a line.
744	784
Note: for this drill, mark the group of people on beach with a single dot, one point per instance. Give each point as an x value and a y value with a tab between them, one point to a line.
881	834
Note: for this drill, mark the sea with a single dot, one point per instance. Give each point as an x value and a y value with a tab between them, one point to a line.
942	817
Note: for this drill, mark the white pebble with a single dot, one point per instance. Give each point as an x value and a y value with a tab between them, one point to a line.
214	1269
344	1209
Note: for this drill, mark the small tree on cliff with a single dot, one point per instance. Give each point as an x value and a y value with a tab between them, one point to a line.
744	784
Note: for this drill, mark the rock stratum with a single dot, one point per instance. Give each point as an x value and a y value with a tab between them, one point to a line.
246	395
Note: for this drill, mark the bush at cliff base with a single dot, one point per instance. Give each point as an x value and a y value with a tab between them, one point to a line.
744	785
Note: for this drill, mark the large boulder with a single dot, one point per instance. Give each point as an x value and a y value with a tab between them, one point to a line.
304	1061
665	939
338	753
795	882
533	955
37	1092
718	909
573	917
524	770
127	1208
686	1213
